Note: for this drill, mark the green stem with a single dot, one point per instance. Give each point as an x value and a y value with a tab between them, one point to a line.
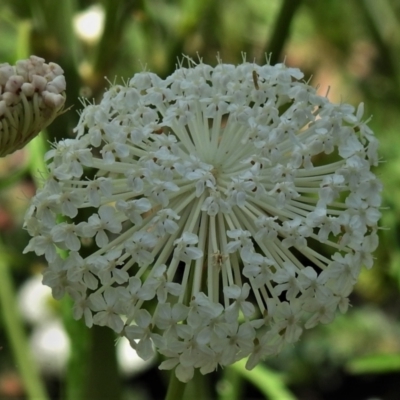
270	383
281	29
16	334
103	381
176	388
8	306
11	180
117	13
231	385
77	370
53	38
384	27
37	166
54	19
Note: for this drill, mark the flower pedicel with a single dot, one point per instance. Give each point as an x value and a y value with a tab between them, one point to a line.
235	200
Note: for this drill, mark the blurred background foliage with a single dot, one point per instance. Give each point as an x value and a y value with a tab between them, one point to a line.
349	48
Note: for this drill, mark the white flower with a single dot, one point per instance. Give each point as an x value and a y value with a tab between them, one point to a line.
221	228
134	209
43	244
99	223
238	339
56	277
287	281
142	333
288	320
66	234
161	285
80	270
107	312
168	318
183	251
267	345
239	295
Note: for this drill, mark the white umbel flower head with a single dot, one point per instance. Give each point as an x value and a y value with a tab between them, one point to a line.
229	208
32	95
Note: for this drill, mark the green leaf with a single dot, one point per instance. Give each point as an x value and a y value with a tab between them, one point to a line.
376	363
270	383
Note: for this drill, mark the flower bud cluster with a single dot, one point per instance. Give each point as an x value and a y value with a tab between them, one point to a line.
231	208
32	94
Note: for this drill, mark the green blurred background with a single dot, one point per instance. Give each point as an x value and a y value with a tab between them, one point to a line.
350	48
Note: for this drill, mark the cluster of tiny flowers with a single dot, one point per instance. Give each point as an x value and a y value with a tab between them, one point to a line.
32	94
212	215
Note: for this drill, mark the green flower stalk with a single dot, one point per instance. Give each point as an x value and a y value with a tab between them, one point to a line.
32	95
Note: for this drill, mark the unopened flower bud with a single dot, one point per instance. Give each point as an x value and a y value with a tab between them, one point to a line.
32	95
6	71
14	83
10	98
27	89
39	83
22	68
55	69
53	100
57	85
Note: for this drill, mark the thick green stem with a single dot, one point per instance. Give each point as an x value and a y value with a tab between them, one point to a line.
77	369
103	380
16	333
199	387
176	388
281	29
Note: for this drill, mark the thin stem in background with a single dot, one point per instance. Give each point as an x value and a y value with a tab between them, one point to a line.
193	13
13	324
117	15
12	320
281	30
385	29
53	38
16	333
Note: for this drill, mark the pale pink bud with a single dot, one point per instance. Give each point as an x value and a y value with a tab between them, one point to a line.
10	98
39	83
22	68
27	89
6	70
57	85
14	83
56	69
36	61
53	100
